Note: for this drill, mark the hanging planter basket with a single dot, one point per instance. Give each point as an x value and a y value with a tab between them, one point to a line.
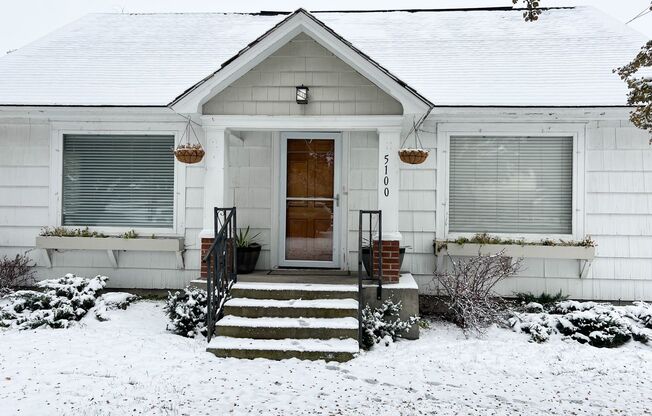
413	156
416	155
189	152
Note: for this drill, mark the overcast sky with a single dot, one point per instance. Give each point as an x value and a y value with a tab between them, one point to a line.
23	21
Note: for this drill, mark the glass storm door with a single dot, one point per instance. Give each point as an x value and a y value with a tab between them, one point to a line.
310	200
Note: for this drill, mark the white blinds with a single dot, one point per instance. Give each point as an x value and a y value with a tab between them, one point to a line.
118	180
511	185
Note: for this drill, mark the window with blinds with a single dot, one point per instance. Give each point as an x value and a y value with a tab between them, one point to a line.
118	180
520	185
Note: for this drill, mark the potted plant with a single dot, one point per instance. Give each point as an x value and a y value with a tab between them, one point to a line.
366	258
247	251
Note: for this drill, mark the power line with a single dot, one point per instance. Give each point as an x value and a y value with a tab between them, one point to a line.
641	14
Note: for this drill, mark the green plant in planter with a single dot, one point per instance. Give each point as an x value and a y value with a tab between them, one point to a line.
247	250
243	239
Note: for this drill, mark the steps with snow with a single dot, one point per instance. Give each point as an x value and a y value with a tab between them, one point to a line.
279	349
289	291
294	308
288	320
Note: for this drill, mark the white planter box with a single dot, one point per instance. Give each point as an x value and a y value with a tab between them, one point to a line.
111	245
584	254
515	250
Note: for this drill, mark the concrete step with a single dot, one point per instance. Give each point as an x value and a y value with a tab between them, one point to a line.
279	328
295	308
289	291
273	349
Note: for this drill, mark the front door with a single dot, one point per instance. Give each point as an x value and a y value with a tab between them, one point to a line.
310	199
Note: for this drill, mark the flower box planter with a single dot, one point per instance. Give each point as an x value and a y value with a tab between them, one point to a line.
111	245
584	254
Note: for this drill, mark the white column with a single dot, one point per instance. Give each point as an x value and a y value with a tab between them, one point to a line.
215	176
389	141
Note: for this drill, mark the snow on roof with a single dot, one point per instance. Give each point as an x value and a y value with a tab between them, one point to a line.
465	58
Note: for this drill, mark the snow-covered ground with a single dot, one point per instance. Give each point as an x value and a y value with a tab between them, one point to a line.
131	365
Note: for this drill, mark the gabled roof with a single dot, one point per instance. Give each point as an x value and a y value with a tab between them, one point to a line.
452	58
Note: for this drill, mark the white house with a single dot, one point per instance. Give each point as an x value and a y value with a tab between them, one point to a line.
526	125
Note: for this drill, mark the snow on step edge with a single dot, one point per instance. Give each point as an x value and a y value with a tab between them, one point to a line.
296	286
294	303
332	323
314	345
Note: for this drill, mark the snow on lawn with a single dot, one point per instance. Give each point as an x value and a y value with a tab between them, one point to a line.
131	365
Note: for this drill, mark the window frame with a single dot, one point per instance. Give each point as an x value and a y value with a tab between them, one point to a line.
59	130
447	130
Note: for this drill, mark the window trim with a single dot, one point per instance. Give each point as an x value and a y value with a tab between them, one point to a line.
58	130
574	130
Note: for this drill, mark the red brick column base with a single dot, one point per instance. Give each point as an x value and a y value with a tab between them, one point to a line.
205	245
391	261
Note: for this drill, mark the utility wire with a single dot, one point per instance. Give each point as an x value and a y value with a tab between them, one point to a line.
641	14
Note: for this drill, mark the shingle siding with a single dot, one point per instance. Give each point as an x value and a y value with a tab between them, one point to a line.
335	87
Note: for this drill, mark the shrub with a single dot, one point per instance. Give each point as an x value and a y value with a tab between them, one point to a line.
596	324
187	311
597	328
61	302
382	324
469	287
544	299
15	272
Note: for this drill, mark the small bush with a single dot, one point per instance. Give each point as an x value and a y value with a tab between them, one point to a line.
469	287
544	299
383	325
15	272
61	302
596	324
187	311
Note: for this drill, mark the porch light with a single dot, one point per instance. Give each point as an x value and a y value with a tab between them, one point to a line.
302	94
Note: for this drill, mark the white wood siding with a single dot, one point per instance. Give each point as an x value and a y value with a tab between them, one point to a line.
250	186
335	87
362	185
24	210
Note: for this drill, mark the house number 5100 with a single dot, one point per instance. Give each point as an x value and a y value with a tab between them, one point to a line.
386	177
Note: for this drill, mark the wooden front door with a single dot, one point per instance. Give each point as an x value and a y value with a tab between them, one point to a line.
310	200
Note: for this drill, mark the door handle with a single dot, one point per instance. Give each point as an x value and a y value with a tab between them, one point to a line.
337	200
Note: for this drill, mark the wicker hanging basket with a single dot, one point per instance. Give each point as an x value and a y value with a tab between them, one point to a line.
416	155
189	153
413	156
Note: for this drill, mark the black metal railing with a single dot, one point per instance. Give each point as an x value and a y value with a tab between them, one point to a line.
221	265
366	217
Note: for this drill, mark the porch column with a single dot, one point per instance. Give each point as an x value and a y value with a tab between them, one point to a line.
215	183
389	141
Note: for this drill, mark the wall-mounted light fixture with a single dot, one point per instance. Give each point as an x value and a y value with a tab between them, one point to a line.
302	94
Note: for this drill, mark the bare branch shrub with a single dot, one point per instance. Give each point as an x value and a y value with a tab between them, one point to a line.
469	285
15	272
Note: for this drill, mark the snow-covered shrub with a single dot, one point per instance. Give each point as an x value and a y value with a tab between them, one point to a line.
471	300
111	301
61	302
640	312
15	272
600	328
539	327
596	324
383	324
187	311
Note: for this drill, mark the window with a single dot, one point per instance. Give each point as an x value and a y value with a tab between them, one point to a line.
118	180
520	185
